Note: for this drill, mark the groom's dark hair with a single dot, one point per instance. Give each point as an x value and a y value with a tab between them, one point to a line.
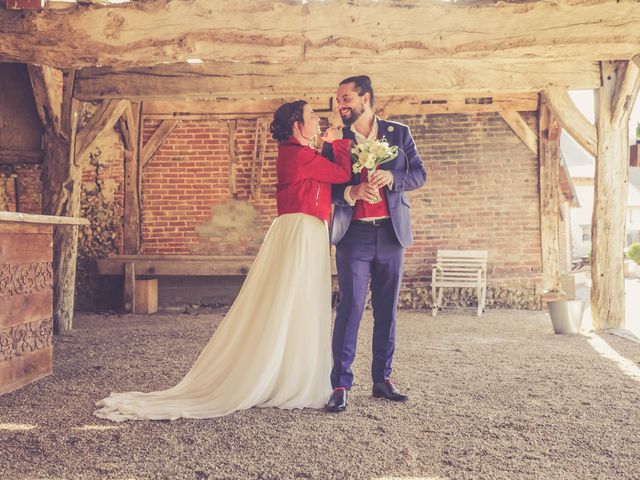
362	84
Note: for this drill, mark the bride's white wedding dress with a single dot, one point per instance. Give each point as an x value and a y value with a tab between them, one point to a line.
273	347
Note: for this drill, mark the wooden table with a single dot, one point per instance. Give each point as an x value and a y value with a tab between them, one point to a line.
26	296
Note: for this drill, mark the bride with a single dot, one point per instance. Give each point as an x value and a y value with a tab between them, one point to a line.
273	348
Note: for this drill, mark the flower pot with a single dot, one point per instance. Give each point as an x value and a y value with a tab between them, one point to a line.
566	315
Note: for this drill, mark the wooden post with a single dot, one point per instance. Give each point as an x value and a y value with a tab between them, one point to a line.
549	157
232	159
61	177
259	149
620	83
129	125
129	290
65	239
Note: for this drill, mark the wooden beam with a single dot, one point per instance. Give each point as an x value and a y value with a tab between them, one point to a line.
129	290
249	106
47	94
14	157
233	188
132	170
156	140
68	80
522	129
549	158
41	219
259	150
105	117
325	32
177	265
308	79
385	106
572	119
61	180
609	204
128	127
626	95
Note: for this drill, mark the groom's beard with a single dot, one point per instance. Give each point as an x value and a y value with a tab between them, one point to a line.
352	116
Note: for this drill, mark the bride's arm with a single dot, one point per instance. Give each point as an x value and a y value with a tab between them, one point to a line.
321	168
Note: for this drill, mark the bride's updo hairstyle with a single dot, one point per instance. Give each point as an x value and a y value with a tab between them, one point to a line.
283	118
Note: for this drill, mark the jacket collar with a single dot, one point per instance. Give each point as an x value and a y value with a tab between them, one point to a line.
382	128
291	141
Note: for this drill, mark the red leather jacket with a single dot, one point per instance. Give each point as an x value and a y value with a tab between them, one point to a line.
305	177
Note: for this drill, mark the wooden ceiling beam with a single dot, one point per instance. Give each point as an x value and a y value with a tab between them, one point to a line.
156	31
522	129
46	83
626	96
270	80
385	105
572	119
105	117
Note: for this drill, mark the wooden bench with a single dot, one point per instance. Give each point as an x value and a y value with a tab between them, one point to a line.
459	269
134	266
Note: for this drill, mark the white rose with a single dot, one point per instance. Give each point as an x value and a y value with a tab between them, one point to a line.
370	163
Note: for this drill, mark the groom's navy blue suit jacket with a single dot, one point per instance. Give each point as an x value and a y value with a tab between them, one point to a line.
408	174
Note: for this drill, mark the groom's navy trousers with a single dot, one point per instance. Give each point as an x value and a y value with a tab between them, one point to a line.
366	252
372	254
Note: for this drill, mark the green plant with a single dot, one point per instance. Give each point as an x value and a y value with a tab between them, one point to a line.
638	132
634	252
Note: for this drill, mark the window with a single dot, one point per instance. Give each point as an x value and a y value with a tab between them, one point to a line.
586	233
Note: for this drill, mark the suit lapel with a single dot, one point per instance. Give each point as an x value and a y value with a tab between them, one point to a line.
381	128
347	133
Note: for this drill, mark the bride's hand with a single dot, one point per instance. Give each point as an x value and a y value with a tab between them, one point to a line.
331	134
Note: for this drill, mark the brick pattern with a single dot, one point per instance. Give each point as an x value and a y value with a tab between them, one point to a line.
21	189
482	193
189	174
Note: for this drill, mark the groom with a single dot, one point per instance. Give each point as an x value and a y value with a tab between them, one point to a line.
370	238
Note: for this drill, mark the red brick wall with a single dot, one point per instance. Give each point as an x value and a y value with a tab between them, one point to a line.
482	193
29	188
21	189
189	175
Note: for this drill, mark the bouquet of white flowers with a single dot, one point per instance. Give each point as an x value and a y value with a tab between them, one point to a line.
371	153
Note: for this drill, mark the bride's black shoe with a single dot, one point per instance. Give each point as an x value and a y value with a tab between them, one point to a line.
338	400
389	391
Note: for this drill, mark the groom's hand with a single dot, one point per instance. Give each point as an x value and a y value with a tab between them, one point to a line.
381	178
364	191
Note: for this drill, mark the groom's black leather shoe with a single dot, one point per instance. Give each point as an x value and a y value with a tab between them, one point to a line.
389	391
338	400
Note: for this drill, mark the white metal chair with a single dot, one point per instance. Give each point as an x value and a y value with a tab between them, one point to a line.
462	269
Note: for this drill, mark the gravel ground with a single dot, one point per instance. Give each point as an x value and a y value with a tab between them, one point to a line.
495	397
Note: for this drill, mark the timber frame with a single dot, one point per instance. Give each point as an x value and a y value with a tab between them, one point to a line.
474	57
